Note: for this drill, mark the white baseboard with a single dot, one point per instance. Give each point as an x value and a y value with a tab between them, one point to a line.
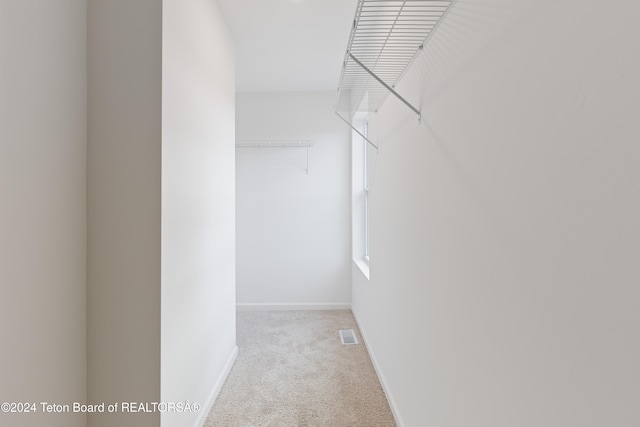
206	408
383	382
295	306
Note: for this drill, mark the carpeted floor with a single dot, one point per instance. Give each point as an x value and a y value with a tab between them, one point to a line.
292	370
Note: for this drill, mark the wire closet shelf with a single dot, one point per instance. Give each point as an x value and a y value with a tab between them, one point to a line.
385	38
275	143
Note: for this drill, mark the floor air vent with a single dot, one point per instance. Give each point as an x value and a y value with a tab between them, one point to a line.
347	336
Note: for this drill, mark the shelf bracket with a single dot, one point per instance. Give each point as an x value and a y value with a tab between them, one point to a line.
386	86
357	131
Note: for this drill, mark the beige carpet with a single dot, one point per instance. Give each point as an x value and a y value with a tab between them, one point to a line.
292	370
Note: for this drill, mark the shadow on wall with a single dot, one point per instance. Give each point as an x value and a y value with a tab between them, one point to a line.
468	33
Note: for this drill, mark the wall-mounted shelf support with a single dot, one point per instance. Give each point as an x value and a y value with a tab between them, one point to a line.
355	129
389	88
269	143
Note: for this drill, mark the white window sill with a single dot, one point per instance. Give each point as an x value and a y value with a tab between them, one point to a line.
363	265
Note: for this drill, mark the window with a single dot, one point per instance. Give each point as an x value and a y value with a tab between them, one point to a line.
363	161
365	179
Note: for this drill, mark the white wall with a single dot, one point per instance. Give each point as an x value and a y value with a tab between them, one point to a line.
124	179
42	207
293	229
198	206
506	228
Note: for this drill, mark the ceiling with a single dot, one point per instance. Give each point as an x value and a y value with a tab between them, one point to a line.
289	45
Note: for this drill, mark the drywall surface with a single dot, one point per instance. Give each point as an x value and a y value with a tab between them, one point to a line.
42	208
198	205
505	229
293	228
124	162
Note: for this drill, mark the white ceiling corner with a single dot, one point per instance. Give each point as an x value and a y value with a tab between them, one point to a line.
289	45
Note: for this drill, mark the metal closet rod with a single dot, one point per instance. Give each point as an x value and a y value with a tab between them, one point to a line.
282	143
277	143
